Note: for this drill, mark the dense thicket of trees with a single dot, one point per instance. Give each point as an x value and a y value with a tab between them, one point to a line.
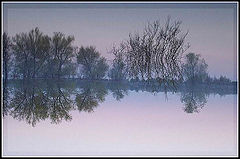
154	55
36	55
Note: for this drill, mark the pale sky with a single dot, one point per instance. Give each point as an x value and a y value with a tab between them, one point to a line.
212	27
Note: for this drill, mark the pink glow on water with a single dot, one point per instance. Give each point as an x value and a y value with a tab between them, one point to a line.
131	127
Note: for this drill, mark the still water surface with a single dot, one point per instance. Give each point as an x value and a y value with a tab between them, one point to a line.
95	119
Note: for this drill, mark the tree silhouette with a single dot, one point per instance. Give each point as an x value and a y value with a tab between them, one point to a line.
118	70
195	68
62	50
94	66
31	51
156	53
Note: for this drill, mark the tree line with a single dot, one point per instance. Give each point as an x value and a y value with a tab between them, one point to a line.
158	53
35	55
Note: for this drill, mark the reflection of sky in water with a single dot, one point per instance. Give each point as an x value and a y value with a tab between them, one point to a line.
138	124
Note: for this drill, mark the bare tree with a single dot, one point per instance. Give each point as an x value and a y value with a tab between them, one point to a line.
118	70
157	52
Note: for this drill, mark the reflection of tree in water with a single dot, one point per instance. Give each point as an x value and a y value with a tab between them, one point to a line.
28	103
32	102
118	89
90	96
195	96
194	99
5	98
59	103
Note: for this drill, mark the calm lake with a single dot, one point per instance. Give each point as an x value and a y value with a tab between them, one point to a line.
100	118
